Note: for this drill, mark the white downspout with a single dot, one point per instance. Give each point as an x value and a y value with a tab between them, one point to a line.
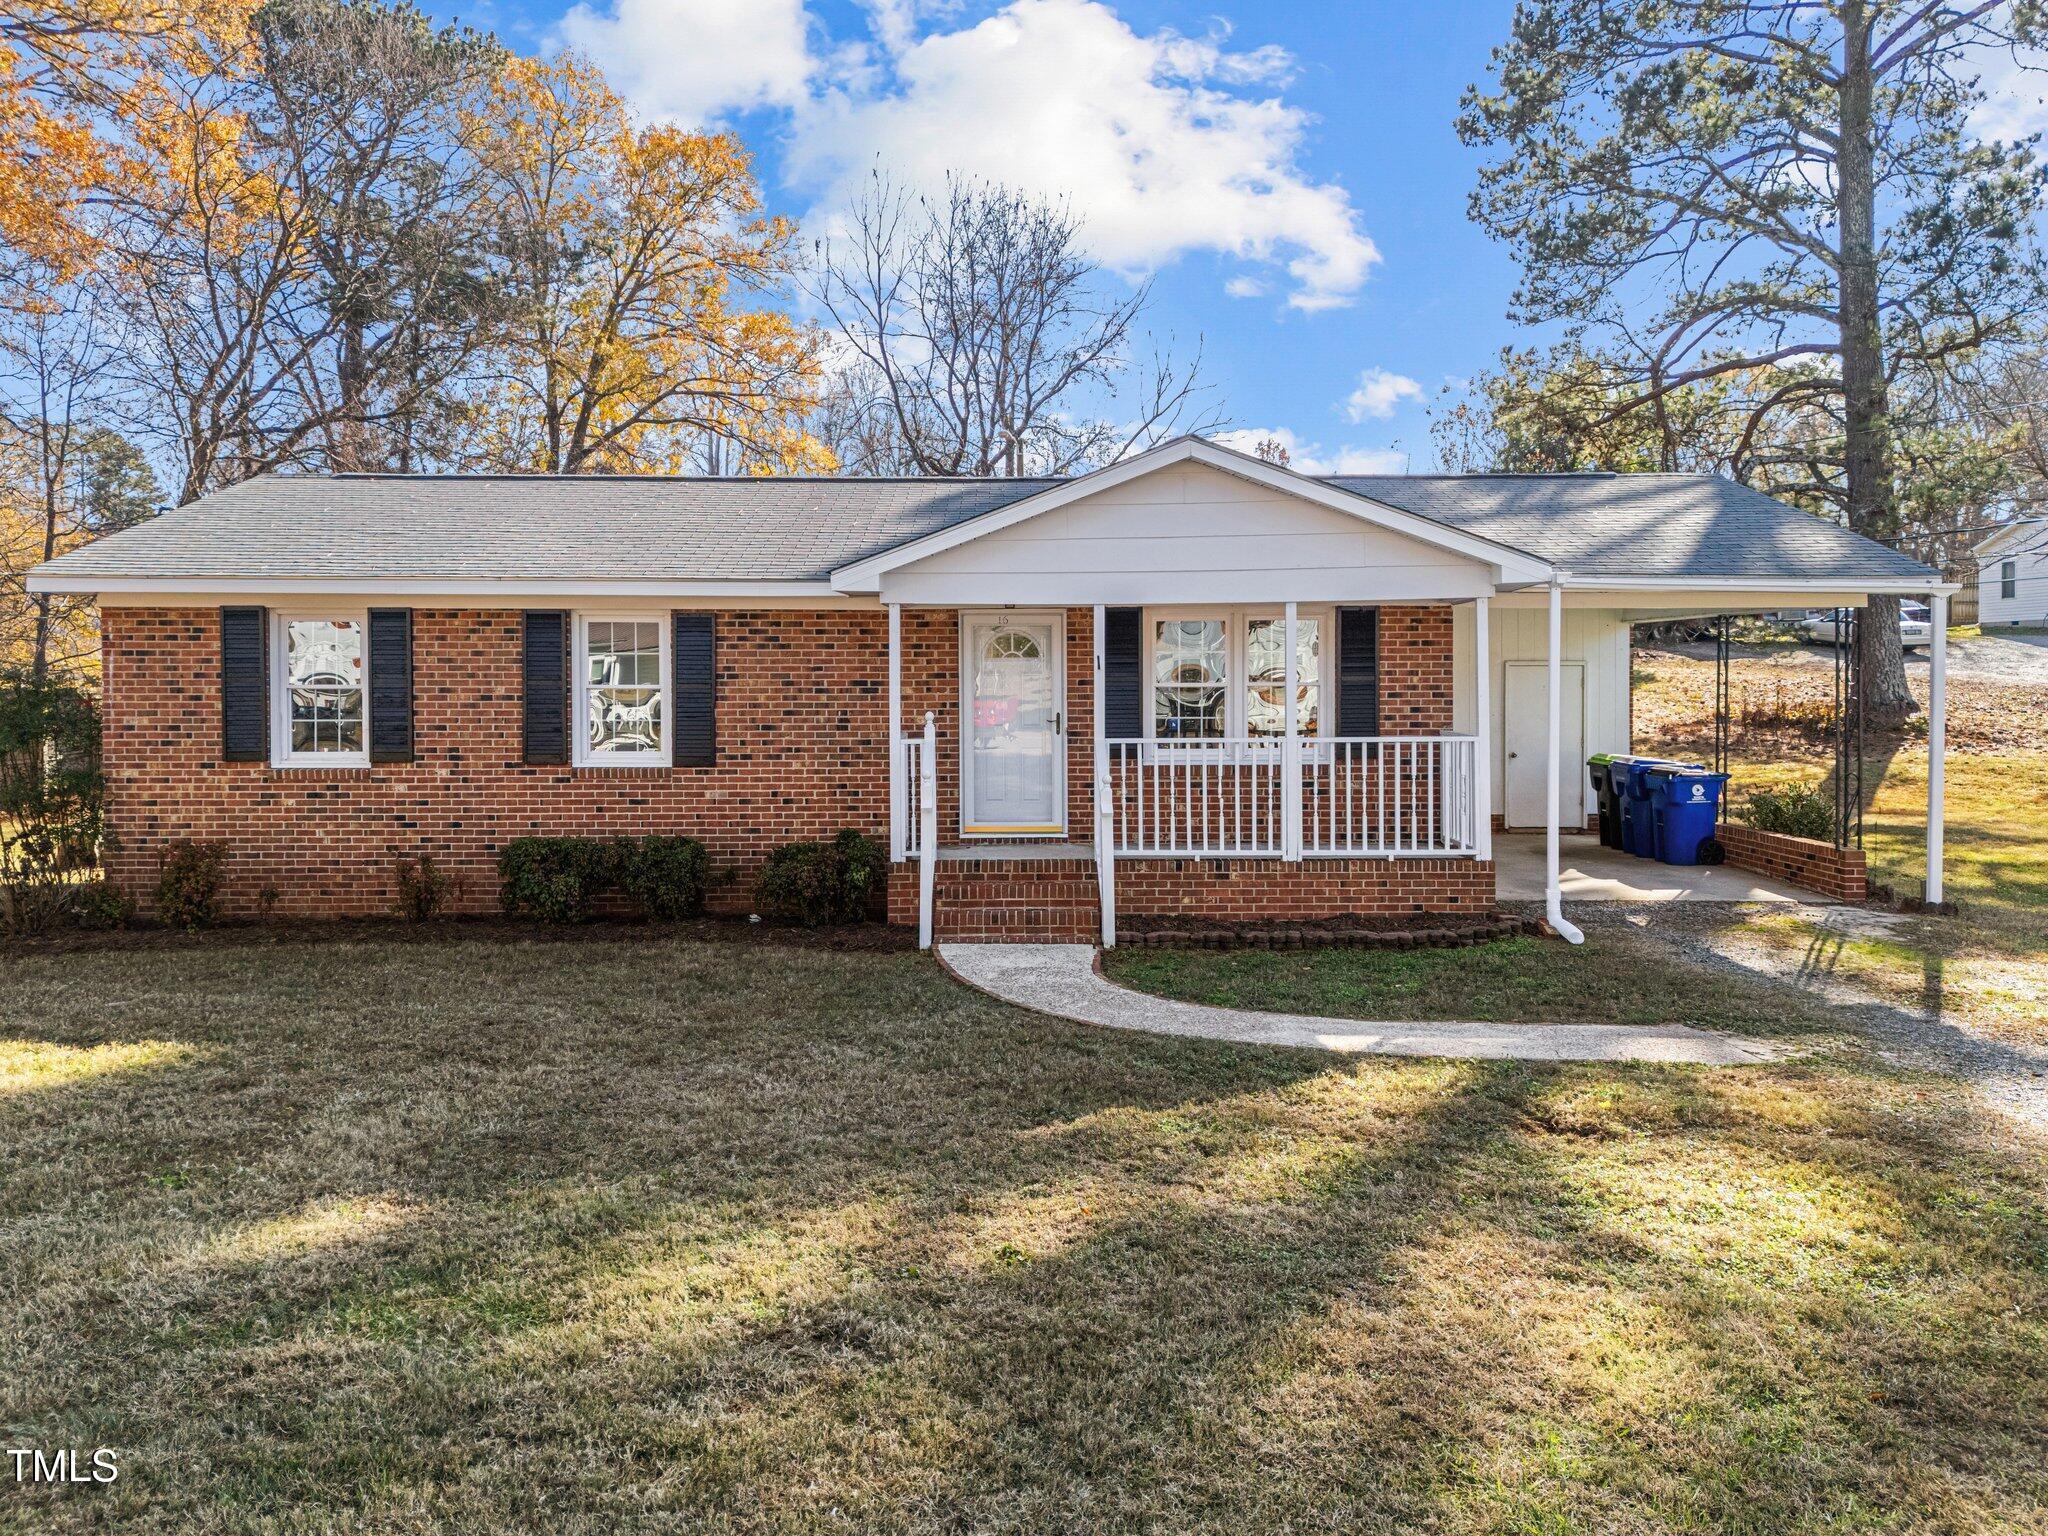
1937	737
1553	897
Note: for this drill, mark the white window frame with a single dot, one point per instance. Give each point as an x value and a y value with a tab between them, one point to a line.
1237	623
2008	580
584	756
281	753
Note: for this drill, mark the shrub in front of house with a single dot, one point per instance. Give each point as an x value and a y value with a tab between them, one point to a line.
188	883
424	888
666	877
553	879
556	879
1797	810
818	883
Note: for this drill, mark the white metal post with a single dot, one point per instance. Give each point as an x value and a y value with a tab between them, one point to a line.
1482	730
1105	847
927	827
1553	895
897	829
1290	752
1937	737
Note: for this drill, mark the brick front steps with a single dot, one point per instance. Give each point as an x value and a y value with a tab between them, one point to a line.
1019	901
1420	931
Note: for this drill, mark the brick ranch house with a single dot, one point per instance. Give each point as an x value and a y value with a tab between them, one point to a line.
1192	682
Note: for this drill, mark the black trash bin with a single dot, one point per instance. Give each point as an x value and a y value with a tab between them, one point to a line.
1607	794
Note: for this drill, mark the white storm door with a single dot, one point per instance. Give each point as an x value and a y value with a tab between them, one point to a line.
1013	759
1528	730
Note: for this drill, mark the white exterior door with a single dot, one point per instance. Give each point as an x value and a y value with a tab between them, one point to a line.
1527	703
1013	758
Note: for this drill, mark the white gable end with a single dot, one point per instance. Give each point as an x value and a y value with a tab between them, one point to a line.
1188	533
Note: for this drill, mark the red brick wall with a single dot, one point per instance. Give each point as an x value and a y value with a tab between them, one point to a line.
801	753
1840	874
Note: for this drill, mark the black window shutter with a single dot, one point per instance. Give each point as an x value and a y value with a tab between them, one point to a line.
244	685
1123	666
1358	671
546	735
695	659
391	685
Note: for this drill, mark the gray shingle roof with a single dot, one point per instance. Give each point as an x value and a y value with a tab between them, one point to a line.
1641	525
646	528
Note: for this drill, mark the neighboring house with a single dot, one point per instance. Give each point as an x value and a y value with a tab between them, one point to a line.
1192	682
2012	577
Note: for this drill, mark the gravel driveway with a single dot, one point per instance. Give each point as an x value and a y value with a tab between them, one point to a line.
2012	1078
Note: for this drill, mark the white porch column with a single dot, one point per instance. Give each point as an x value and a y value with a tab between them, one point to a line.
1937	736
897	830
1482	727
1290	751
1553	897
1105	846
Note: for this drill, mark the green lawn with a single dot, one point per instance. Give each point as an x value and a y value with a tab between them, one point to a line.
638	1234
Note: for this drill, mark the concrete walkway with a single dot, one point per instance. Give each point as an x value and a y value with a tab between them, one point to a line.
1588	872
1060	979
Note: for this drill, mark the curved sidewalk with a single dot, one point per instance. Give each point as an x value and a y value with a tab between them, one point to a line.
1060	979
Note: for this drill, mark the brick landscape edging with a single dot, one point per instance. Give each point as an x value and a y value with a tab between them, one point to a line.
1840	874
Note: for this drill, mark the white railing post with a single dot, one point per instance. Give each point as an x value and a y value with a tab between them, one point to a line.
927	828
1482	732
897	829
1290	753
1105	831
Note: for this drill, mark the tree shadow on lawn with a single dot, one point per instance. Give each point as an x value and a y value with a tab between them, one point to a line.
717	1256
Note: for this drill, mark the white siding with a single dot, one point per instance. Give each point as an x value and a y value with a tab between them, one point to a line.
1188	534
2029	603
1595	636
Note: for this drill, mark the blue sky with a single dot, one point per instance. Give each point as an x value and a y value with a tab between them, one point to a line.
1286	172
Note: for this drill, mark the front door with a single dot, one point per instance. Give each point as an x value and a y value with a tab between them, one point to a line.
1013	760
1528	743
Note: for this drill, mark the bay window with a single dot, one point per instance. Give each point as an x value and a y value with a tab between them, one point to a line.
319	683
1221	674
622	690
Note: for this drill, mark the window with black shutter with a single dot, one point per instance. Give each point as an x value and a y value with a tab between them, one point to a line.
546	682
391	729
244	685
696	689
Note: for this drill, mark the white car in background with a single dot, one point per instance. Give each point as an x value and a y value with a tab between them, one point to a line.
1916	627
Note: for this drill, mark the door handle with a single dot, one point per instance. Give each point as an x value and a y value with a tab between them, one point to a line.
1057	717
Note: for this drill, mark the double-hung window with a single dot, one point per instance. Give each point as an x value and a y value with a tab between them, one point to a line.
1220	674
622	691
2008	578
319	685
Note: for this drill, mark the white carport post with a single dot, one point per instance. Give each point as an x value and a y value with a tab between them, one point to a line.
1482	728
898	832
1553	896
1937	735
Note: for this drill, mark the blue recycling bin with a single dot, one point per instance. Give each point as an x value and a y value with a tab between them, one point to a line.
1687	809
1638	806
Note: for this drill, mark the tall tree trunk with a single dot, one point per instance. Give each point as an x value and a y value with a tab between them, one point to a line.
1873	508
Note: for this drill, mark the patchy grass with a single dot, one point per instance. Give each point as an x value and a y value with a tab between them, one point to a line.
1614	978
653	1234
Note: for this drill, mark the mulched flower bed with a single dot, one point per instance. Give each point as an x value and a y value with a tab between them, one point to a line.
1422	930
878	937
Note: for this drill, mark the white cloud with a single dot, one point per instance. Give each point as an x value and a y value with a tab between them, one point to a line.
1378	393
691	61
1310	459
1154	139
1245	288
2015	94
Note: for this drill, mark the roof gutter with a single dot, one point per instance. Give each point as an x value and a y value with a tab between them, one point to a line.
64	583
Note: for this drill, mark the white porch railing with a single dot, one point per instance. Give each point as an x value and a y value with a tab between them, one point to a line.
1272	797
905	823
914	815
